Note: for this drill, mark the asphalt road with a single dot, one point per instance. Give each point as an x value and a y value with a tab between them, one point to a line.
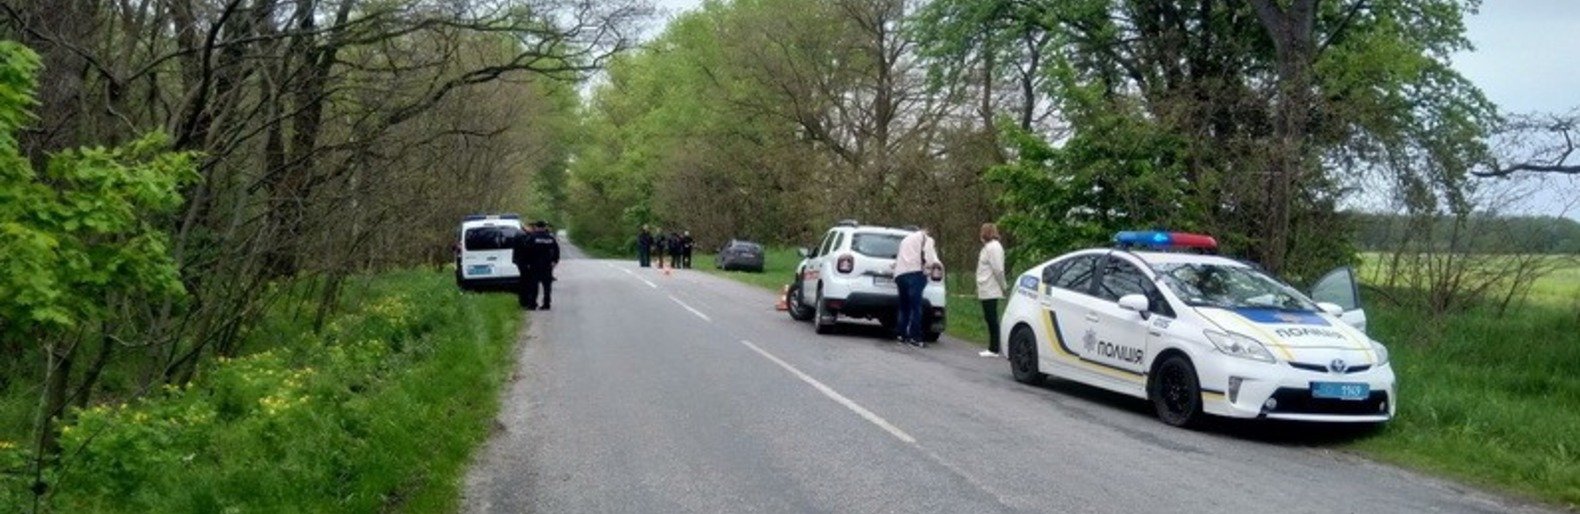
646	392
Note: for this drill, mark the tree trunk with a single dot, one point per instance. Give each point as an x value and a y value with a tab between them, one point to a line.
1292	32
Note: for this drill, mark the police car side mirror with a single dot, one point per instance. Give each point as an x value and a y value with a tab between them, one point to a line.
1331	308
803	252
1135	303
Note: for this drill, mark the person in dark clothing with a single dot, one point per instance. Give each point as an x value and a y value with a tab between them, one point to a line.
686	244
644	247
677	248
661	247
521	255
543	255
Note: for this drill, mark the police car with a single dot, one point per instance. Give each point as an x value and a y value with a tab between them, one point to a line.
1198	334
483	251
851	275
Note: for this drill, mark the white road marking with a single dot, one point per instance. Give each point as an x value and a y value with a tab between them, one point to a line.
632	273
834	395
693	311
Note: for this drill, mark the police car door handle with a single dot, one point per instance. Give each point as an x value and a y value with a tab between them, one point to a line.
1154	333
1093	318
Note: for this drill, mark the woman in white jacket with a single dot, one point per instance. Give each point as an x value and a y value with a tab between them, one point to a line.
990	283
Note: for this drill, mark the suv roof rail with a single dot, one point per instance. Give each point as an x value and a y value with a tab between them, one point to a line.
847	223
911	228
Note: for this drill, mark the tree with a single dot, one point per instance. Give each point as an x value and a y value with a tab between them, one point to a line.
79	242
1270	111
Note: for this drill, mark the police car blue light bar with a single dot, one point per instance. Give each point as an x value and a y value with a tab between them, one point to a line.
1157	238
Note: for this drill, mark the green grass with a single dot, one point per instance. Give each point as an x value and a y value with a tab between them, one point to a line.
1493	401
379	412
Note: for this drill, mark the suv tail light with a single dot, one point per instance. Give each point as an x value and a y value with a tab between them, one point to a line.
845	264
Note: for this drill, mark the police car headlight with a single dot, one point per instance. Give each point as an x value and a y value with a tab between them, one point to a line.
1382	353
1239	345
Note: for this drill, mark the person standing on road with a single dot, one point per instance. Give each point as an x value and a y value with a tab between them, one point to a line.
990	283
660	246
521	255
644	247
686	244
543	255
916	256
677	248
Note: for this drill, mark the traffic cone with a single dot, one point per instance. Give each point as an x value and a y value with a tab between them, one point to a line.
784	300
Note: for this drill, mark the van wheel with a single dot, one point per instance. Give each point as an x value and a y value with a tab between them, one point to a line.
931	337
1023	357
1176	392
798	309
823	322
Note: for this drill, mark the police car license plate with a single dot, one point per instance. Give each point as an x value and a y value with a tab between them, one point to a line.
480	269
1341	390
882	281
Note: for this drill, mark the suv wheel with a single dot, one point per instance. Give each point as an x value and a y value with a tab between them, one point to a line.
823	322
798	309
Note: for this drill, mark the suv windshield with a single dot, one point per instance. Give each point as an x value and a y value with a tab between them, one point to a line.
490	238
1229	287
883	246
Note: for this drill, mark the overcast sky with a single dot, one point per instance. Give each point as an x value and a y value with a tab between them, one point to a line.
1526	60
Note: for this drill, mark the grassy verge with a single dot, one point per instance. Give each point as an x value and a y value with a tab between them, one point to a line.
1493	401
379	412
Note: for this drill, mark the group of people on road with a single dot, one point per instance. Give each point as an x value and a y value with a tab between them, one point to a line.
652	243
918	256
536	252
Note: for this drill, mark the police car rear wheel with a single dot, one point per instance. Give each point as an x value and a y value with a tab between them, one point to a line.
823	321
1023	357
1175	392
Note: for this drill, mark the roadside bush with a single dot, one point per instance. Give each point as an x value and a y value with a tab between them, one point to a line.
378	412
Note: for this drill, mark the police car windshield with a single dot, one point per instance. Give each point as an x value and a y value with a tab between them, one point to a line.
1229	287
882	246
490	237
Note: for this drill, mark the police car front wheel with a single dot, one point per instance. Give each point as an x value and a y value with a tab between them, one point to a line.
1176	392
1023	356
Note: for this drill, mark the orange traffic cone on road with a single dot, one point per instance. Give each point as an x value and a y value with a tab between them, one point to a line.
784	300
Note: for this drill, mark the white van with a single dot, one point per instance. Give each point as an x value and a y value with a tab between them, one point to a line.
483	252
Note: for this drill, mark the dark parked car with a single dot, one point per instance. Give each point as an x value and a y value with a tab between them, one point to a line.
740	255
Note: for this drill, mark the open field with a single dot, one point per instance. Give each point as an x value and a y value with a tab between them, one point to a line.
1559	288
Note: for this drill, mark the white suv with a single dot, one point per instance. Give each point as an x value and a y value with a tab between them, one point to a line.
483	249
851	274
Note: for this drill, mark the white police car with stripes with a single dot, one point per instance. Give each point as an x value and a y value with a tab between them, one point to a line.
1198	334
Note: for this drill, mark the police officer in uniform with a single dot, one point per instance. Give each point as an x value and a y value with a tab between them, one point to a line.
521	255
542	255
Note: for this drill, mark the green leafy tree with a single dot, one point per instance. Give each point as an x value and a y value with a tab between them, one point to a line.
78	239
1259	116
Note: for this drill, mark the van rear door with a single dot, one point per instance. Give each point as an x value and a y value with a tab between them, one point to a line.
486	252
